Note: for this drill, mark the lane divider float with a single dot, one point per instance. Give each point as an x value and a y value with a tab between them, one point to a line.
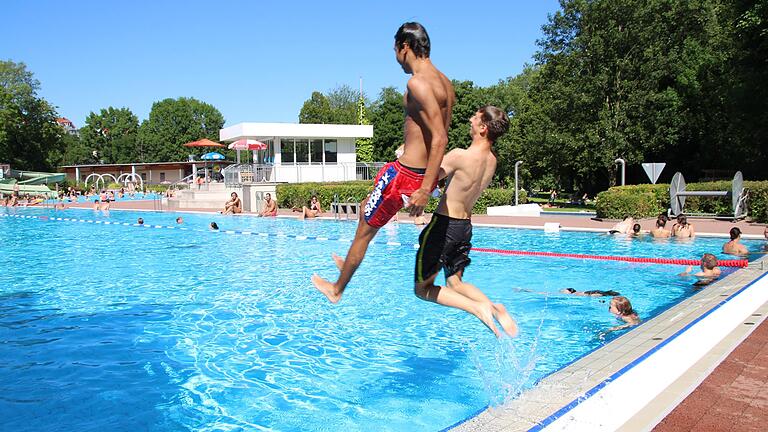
668	261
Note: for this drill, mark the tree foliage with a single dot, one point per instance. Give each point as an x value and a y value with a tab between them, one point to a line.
173	122
386	116
316	110
112	134
30	138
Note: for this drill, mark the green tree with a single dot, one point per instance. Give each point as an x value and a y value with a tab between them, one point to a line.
343	104
173	122
316	110
29	134
113	134
386	116
363	146
629	79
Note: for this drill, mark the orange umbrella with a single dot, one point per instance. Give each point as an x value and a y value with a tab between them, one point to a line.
205	142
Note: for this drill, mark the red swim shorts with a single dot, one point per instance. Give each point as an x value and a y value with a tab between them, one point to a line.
392	181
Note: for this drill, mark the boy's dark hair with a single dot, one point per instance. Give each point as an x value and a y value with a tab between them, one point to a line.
415	35
735	233
495	120
636	228
661	221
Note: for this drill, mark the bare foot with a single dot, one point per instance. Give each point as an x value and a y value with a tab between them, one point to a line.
328	289
338	260
485	314
507	322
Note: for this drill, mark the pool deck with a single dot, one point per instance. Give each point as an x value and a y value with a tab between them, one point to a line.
724	387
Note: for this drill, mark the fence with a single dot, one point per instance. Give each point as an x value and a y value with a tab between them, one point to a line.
238	174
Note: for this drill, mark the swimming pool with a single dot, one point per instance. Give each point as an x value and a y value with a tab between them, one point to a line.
126	328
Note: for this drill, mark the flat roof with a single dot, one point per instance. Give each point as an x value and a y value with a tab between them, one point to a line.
141	164
294	130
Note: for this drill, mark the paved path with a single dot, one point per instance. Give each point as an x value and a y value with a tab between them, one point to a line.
734	397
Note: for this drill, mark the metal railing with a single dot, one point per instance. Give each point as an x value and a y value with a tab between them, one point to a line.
238	174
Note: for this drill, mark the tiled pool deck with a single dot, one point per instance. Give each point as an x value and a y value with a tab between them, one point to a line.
726	388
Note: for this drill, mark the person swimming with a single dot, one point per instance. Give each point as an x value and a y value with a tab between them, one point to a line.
590	293
622	309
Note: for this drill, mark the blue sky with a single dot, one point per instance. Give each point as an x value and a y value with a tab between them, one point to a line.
254	61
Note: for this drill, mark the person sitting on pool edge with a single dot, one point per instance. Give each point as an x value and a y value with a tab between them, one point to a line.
590	293
734	247
709	270
233	206
621	308
270	206
312	211
623	227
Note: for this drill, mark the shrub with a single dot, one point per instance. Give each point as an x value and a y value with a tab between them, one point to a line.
298	194
650	200
622	203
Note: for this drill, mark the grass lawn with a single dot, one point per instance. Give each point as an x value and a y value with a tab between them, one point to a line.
563	205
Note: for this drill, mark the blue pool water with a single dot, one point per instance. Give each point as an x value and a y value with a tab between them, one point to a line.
125	328
126	197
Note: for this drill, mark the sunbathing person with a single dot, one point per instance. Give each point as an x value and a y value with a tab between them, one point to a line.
734	247
233	206
312	211
682	228
622	309
270	206
623	227
590	293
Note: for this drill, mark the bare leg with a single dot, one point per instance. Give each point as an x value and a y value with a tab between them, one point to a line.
338	260
470	291
447	296
333	291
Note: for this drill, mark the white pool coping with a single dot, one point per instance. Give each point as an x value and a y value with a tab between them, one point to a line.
619	386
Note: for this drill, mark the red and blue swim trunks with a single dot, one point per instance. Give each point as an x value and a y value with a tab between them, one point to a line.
392	182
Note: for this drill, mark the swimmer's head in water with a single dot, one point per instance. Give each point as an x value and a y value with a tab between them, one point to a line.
735	233
661	221
636	228
708	261
214	226
682	220
621	306
140	221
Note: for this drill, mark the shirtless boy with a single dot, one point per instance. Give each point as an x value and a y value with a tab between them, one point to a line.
428	100
709	268
445	242
270	206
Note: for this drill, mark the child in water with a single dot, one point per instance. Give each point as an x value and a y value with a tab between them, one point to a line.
622	309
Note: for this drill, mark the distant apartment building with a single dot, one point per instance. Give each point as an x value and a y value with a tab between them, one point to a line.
67	125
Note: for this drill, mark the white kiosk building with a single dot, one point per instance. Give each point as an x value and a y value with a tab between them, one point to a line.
298	153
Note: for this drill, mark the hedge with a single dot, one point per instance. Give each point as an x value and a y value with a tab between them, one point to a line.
649	200
298	194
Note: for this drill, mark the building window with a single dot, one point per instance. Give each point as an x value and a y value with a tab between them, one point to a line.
302	151
316	151
162	176
331	152
287	151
